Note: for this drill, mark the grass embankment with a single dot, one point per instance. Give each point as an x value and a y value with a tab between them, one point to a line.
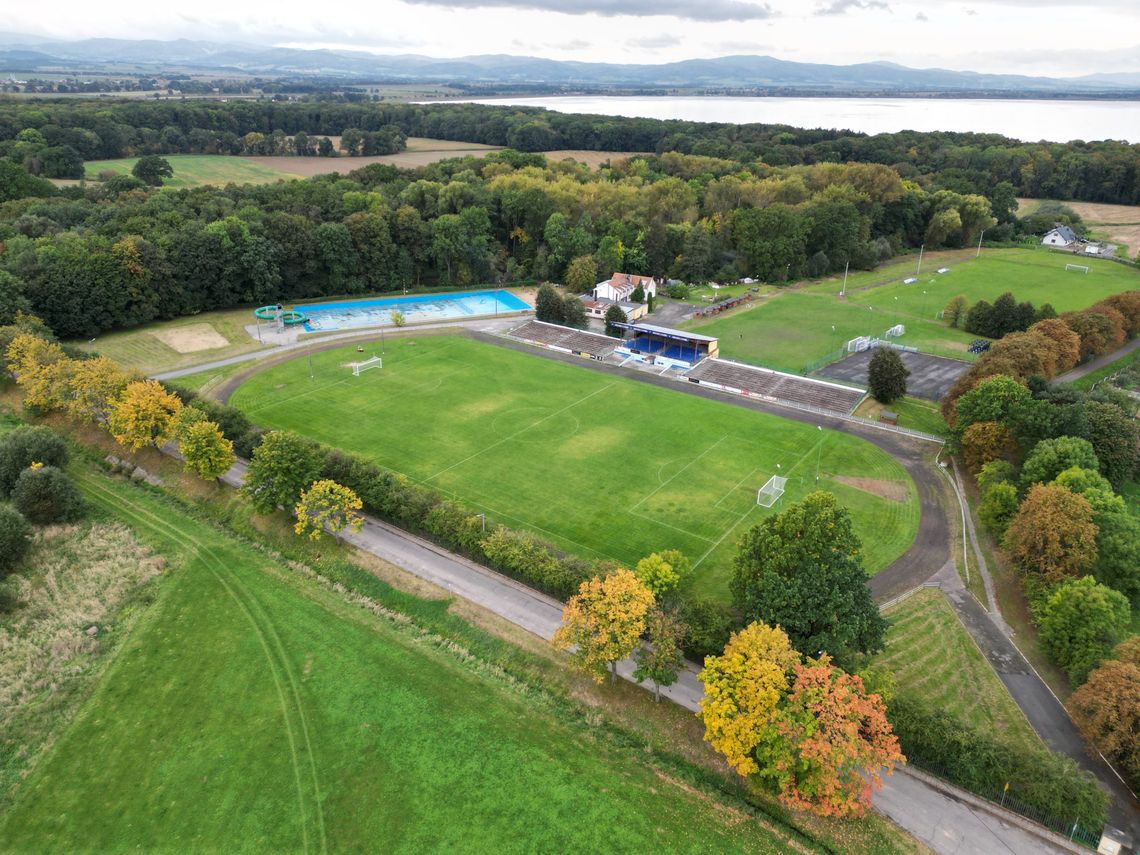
602	466
254	709
913	413
804	323
936	663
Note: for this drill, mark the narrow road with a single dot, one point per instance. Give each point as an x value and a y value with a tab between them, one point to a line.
1098	363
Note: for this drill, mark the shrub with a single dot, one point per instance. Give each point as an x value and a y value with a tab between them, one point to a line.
14	541
27	445
977	761
44	495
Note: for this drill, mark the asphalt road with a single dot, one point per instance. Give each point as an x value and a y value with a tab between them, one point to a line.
1098	363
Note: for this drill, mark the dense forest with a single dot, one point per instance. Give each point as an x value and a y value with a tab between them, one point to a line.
1105	171
117	255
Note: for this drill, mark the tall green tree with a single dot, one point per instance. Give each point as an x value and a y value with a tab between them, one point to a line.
886	375
283	465
1080	624
549	306
152	169
801	570
660	659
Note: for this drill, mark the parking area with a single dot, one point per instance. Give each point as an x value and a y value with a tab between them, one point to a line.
930	376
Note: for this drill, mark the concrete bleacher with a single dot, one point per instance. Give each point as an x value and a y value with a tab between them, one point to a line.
565	338
763	382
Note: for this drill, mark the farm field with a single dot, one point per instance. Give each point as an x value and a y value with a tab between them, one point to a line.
194	170
602	466
793	328
1119	224
935	662
251	709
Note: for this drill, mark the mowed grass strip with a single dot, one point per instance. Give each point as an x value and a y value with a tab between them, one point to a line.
255	711
797	326
601	465
935	662
195	170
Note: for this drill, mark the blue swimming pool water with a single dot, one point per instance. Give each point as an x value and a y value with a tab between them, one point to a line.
419	309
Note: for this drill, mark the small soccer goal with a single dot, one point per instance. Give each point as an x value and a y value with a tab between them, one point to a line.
359	367
1077	268
770	493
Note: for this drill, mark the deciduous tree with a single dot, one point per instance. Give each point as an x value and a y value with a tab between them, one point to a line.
582	274
660	659
886	375
615	315
573	312
205	450
283	465
1107	709
45	495
955	310
1052	535
662	572
327	506
742	688
14	540
999	504
1080	623
833	743
1050	457
144	414
152	169
95	384
801	570
548	305
26	445
604	622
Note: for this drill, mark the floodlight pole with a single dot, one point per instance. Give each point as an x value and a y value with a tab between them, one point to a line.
818	452
921	249
483	519
843	290
310	352
982	235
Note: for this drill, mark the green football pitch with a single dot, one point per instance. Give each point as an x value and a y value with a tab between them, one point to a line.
797	326
600	465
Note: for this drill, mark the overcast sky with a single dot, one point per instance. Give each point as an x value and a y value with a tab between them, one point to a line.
1048	37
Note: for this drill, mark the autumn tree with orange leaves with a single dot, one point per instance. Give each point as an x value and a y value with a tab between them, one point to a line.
604	622
832	743
1053	534
1107	708
144	414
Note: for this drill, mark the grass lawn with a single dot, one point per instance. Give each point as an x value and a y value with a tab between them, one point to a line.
935	661
194	170
795	327
913	413
167	345
602	466
254	710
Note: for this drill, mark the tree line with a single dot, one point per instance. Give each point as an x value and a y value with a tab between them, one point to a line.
966	163
93	259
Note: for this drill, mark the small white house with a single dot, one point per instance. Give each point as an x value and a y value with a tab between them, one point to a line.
620	287
1059	236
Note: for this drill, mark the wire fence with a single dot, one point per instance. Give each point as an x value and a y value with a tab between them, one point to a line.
1003	797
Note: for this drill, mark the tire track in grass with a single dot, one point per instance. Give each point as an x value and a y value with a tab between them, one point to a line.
147	519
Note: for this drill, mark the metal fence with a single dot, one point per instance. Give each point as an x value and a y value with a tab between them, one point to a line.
1003	797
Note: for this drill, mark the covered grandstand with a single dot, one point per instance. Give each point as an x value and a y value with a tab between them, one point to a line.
750	380
649	343
566	339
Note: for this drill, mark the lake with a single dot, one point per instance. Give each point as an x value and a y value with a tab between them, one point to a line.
1056	121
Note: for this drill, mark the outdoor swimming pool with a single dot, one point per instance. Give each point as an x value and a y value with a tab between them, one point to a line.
422	308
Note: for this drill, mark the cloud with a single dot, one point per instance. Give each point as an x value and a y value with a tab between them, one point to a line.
921	16
663	40
708	10
842	7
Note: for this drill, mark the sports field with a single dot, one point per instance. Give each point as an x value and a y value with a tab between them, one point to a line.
797	326
253	710
602	466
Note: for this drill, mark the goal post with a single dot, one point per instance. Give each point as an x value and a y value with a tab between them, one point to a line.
771	492
1083	268
359	367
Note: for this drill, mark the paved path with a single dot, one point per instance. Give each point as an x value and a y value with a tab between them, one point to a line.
1098	363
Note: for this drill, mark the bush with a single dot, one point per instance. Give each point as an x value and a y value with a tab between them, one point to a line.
976	761
27	445
14	541
45	495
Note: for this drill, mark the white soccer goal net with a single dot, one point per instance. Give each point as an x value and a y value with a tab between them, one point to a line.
858	345
374	362
770	493
1083	268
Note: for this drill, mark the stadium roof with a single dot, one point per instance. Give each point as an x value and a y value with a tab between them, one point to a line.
666	332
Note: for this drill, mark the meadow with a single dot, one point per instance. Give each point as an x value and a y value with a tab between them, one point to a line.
935	662
600	465
194	170
793	328
251	709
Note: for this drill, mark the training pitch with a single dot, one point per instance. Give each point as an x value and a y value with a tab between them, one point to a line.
930	376
600	465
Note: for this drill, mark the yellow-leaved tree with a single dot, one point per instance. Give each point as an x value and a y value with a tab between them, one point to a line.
144	414
42	369
742	688
204	448
327	505
95	384
604	622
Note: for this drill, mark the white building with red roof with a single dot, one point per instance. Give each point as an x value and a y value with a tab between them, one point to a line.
619	288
